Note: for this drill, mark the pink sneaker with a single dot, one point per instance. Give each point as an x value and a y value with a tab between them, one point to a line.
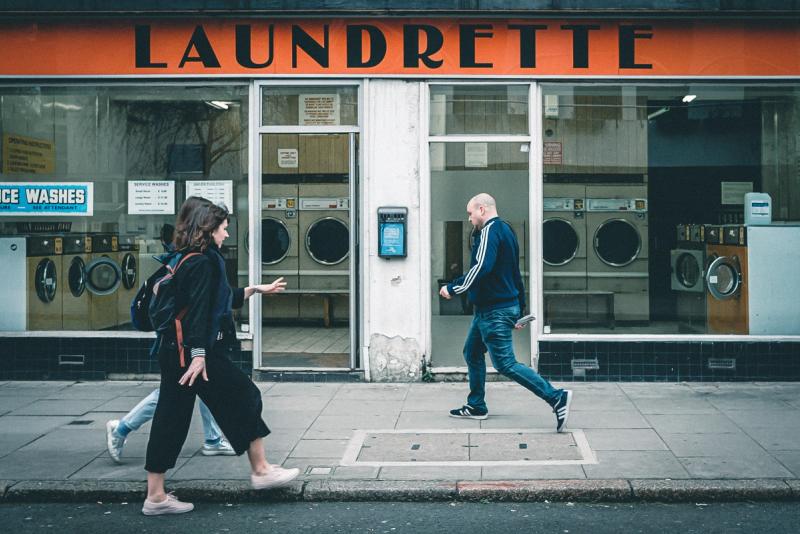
276	477
169	506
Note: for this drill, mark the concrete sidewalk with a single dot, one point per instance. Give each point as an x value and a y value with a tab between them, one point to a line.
625	441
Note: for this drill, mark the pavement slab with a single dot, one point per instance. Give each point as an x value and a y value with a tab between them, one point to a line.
624	439
751	466
694	423
635	464
59	407
790	460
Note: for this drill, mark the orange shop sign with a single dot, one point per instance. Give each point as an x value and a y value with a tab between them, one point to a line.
400	47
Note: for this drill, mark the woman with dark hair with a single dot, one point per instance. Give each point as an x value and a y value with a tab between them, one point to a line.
205	332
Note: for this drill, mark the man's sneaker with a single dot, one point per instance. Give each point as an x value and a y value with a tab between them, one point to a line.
171	505
276	477
114	443
468	412
221	448
561	409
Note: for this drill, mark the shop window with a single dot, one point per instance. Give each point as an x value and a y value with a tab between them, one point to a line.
91	181
646	186
479	109
312	105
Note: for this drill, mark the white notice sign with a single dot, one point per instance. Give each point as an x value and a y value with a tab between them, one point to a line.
733	192
287	158
151	198
217	191
319	110
476	155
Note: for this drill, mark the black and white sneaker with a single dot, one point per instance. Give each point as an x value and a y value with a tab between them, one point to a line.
468	412
561	409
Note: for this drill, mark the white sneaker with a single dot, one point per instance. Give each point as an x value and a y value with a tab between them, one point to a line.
114	443
223	448
276	477
171	505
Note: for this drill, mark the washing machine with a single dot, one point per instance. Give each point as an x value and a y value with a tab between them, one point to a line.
44	282
103	279
129	264
727	287
687	278
617	257
13	272
280	244
77	299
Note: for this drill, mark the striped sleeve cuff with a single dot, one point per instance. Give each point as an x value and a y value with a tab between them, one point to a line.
198	351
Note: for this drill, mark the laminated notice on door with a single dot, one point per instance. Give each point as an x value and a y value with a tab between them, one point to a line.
287	158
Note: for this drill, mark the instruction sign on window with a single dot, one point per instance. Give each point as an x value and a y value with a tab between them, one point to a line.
151	197
551	153
476	155
733	192
217	191
73	199
288	158
28	155
319	110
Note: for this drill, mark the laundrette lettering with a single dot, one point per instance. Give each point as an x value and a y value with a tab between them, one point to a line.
9	195
55	196
255	47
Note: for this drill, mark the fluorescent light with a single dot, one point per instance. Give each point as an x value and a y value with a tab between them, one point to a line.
689	98
218	104
658	112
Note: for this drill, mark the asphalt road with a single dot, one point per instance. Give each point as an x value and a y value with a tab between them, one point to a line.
393	518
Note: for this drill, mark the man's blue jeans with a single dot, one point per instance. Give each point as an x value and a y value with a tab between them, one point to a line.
144	411
492	331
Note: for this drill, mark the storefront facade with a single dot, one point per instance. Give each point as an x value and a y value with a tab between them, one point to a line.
624	149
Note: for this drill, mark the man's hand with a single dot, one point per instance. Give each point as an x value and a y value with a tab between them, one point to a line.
196	368
444	293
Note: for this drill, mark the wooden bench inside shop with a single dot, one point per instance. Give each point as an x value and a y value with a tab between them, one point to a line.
327	300
579	307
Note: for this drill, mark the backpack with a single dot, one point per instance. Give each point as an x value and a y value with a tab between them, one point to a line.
153	307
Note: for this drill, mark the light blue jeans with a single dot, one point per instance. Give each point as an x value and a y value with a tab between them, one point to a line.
145	410
492	331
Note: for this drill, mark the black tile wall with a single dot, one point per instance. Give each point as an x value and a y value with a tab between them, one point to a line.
670	361
38	358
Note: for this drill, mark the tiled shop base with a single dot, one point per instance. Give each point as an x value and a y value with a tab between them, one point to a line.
466	447
83	358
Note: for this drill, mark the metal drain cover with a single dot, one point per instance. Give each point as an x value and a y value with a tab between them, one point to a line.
463	447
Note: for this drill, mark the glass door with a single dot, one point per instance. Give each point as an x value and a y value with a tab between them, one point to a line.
308	231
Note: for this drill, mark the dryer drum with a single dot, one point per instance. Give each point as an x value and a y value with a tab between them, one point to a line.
328	241
129	271
76	277
724	278
275	241
617	243
46	283
103	276
687	270
560	242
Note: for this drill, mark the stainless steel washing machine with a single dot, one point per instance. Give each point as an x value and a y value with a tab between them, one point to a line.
617	262
129	264
564	237
280	243
77	299
687	279
103	279
44	286
325	229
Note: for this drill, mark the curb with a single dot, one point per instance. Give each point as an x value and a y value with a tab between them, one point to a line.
616	490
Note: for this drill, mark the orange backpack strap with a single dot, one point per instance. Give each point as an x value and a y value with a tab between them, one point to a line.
181	315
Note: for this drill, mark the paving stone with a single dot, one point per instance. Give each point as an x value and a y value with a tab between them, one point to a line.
424	420
295	389
9	404
413	447
710	490
295	403
373	392
347	423
694	445
750	466
790	460
785	438
532	472
430	473
136	445
58	407
104	468
31	424
695	424
218	467
12	442
122	404
624	439
674	406
607	420
33	465
339	407
304	464
73	440
635	464
356	472
276	419
319	448
92	391
774	418
537	421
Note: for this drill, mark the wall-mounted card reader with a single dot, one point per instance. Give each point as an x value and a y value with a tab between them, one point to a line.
392	232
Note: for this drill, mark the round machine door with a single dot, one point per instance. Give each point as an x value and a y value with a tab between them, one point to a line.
559	241
617	242
328	241
275	241
76	277
129	271
103	276
724	277
688	271
46	281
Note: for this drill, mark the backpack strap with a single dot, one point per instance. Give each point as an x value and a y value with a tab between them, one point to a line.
181	314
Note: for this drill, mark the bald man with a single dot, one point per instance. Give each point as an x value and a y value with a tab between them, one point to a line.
494	286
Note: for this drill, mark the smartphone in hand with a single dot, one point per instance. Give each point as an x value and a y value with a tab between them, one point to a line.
522	321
